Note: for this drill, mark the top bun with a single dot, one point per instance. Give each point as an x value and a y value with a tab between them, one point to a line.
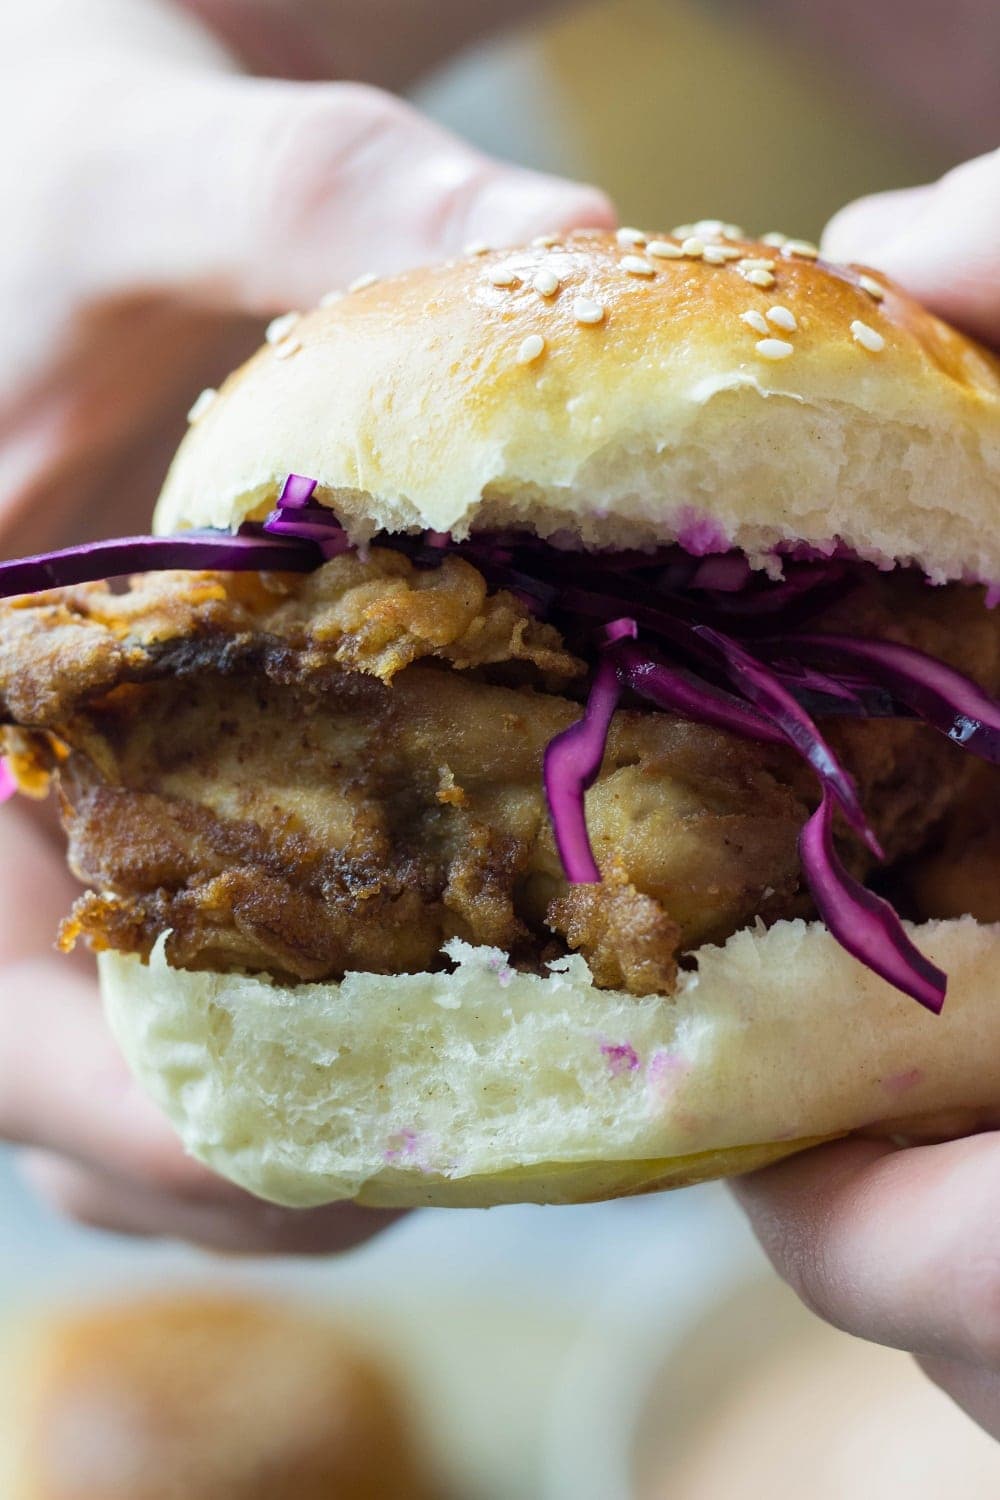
625	391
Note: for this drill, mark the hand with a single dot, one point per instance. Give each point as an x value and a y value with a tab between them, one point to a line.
157	208
902	1246
896	1246
941	242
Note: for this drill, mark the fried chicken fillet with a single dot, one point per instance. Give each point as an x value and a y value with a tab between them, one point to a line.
307	776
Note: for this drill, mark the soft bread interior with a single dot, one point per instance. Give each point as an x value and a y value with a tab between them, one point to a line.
485	1086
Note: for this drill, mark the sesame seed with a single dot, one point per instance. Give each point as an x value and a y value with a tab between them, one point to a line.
637	265
774	348
757	276
693	246
734	232
872	287
530	349
868	338
707	228
476	247
718	255
545	282
502	276
804	248
546	241
782	317
202	403
755	263
287	348
682	231
755	319
664	250
329	298
279	328
629	236
586	310
360	282
774	237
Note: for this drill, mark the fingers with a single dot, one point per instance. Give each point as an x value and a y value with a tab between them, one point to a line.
975	1390
941	242
901	1247
359	179
64	1086
267	194
236	1222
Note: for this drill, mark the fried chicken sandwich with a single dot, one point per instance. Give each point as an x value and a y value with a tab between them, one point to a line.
539	753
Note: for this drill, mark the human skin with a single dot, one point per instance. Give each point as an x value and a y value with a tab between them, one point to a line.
902	1246
158	207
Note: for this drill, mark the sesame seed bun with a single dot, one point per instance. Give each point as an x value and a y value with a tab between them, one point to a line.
770	397
209	1397
757	397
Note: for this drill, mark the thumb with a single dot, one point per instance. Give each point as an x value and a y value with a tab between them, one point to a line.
940	242
257	195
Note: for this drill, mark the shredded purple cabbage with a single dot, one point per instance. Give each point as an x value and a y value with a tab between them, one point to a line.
297	518
846	694
682	601
764	690
950	701
862	922
572	762
149	554
681	692
624	629
296	492
728	574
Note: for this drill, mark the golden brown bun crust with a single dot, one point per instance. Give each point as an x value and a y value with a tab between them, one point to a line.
408	400
210	1398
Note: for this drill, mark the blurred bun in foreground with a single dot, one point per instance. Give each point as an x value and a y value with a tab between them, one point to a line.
207	1397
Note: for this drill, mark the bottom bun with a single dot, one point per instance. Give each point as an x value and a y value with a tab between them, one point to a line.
485	1085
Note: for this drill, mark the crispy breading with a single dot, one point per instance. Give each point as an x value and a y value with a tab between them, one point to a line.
375	616
960	870
312	775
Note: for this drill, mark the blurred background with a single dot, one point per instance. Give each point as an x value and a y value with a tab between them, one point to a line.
727	109
639	1350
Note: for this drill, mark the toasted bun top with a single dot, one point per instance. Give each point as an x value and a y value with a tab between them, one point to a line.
754	397
213	1397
